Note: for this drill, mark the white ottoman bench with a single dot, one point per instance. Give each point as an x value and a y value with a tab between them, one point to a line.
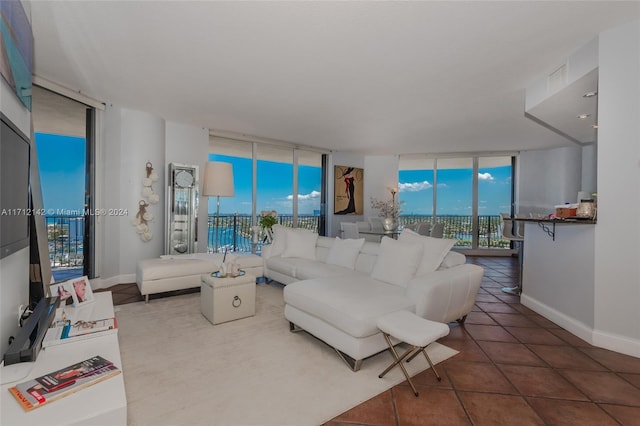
227	298
169	273
414	330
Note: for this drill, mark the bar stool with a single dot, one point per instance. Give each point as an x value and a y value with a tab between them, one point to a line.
414	330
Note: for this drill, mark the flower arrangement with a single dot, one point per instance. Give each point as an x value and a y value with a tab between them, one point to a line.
389	208
268	218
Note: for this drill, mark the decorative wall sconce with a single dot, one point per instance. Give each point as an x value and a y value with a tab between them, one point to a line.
143	217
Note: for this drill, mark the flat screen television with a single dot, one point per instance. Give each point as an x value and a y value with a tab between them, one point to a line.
14	188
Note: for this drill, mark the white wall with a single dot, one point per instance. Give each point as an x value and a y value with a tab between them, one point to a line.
14	269
589	176
382	175
130	140
617	270
190	145
548	178
558	277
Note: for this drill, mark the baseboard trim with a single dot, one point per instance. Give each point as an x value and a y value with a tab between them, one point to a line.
102	283
599	338
617	343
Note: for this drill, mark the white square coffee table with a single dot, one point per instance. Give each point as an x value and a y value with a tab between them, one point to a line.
227	298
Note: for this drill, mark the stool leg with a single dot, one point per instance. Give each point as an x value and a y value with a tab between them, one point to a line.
398	361
433	367
395	355
428	360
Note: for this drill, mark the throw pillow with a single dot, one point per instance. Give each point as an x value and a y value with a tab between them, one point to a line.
344	252
279	239
452	259
397	261
433	249
300	243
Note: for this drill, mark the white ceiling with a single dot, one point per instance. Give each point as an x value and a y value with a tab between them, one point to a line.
378	77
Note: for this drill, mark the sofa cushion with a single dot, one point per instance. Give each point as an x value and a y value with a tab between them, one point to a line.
307	269
349	303
397	262
279	239
453	259
344	252
433	249
155	269
281	265
300	243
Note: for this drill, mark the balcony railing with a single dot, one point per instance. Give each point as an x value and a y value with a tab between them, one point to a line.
234	231
65	239
460	228
65	234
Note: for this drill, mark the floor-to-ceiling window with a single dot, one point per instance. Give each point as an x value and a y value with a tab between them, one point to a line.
454	198
466	194
234	224
64	144
267	177
275	181
309	189
495	189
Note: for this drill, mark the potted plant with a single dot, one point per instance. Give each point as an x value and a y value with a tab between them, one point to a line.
267	220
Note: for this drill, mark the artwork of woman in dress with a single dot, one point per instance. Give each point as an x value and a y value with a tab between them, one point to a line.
348	190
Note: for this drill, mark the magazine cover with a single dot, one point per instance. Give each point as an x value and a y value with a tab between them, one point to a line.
37	392
81	290
64	291
65	331
82	328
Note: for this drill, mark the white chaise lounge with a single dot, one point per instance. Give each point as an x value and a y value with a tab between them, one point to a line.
169	273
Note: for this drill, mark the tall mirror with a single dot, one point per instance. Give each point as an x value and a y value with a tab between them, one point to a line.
182	209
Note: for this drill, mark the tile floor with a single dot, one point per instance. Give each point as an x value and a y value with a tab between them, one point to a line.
514	368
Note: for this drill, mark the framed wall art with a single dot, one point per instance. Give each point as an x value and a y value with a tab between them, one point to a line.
348	190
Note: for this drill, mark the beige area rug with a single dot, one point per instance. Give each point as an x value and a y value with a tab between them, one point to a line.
179	369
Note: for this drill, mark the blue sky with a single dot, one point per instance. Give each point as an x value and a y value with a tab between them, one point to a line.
274	190
62	171
454	191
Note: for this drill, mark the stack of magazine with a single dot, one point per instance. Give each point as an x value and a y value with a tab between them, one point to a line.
65	331
41	390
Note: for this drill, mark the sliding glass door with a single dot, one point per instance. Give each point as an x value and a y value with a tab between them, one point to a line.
268	177
64	137
465	194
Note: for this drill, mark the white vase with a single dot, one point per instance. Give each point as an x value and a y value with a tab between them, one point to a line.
389	224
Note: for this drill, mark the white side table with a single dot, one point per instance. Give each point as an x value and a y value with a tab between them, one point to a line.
227	299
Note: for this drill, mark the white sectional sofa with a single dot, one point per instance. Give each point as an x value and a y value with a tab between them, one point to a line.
336	289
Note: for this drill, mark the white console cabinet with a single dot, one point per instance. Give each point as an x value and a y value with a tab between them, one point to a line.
104	403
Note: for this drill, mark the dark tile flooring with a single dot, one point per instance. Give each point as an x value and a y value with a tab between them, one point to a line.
515	367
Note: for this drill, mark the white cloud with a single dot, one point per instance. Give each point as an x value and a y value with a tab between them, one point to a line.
414	186
485	176
309	196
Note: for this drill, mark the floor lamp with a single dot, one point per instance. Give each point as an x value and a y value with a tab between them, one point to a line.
218	182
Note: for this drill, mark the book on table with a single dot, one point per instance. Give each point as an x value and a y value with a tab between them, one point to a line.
36	392
64	332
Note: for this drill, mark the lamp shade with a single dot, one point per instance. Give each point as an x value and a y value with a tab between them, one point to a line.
218	179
